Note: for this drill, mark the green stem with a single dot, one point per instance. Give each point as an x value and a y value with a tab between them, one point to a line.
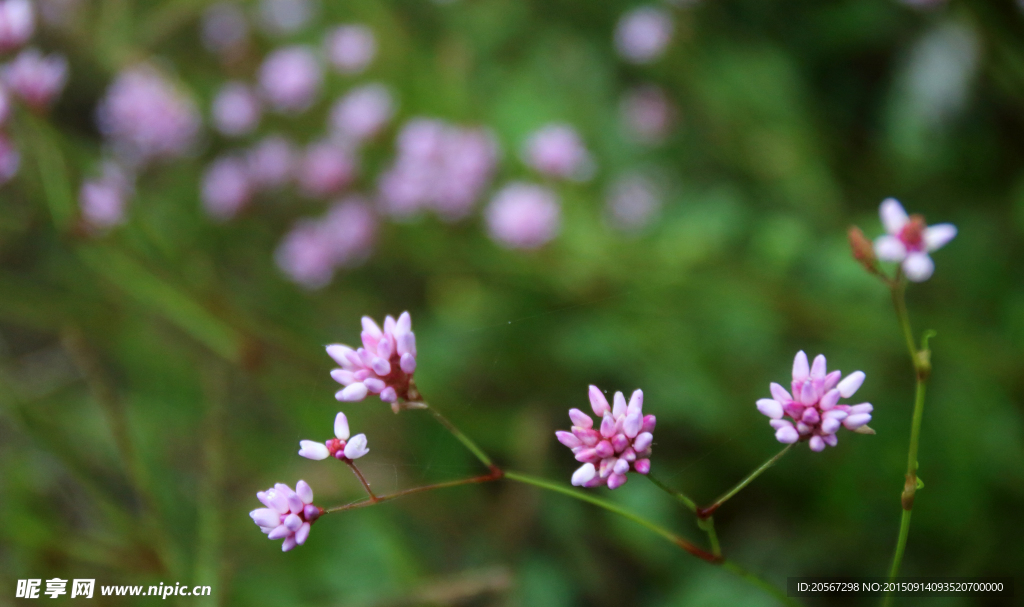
609	506
362	479
898	288
679	495
465	440
922	369
707	512
708	525
386	498
776	592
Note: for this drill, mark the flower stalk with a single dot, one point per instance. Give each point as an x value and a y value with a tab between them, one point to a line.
705	513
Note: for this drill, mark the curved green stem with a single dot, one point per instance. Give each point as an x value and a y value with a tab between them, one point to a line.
465	440
707	512
708	525
921	361
609	506
776	592
679	495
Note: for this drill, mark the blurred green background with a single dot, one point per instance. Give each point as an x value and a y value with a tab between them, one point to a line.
180	342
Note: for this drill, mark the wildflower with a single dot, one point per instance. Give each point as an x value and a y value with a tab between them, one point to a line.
224	28
556	150
909	240
342	447
622	442
384	365
36	79
439	166
236	109
351	48
325	169
288	514
226	188
813	409
102	201
271	163
10	160
362	113
633	202
647	114
282	17
643	34
315	248
17	23
5	106
290	79
306	255
523	216
146	117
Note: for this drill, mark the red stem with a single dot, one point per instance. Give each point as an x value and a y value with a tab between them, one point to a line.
496	474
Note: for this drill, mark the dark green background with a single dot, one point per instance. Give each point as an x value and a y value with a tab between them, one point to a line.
181	337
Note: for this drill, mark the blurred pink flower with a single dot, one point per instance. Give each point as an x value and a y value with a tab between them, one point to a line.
384	365
342	447
362	112
17	23
351	48
313	249
271	163
5	106
290	79
350	228
36	79
643	34
236	109
10	160
439	167
146	117
909	240
633	202
813	410
556	150
306	255
103	201
325	169
647	114
224	28
622	442
226	188
286	514
523	216
282	17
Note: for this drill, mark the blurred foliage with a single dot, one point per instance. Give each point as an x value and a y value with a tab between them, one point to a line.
152	381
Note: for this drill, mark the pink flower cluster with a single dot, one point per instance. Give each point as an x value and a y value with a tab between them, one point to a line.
362	113
384	365
236	109
35	78
103	200
341	447
909	240
147	118
290	79
315	248
287	514
813	408
647	113
556	150
439	167
350	48
643	34
523	216
17	24
621	443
